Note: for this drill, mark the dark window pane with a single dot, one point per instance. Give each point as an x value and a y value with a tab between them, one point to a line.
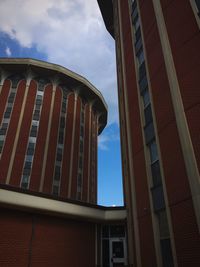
105	231
143	84
158	198
7	115
55	190
105	253
149	132
118	249
153	151
142	70
166	253
138	35
117	231
163	224
156	175
148	114
146	97
3	131
198	4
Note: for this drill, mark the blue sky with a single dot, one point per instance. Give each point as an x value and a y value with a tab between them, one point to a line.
71	33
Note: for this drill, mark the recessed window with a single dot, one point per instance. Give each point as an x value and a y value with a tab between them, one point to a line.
146	98
198	6
32	139
40	93
25	181
29	158
140	57
148	114
156	175
153	151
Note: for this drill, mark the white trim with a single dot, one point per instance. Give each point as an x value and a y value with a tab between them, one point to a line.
27	202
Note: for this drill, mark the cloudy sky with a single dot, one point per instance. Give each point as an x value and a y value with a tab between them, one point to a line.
71	33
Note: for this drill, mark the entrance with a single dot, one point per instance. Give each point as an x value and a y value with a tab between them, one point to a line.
117	252
113	241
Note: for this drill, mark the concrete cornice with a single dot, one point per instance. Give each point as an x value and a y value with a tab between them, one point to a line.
32	203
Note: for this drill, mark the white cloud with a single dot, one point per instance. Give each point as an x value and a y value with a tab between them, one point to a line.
105	138
8	51
71	33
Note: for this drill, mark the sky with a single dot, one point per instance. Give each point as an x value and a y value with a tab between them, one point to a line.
71	33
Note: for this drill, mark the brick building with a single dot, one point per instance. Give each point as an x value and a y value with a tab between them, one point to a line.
158	65
50	118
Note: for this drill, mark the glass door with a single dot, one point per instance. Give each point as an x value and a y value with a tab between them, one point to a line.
117	252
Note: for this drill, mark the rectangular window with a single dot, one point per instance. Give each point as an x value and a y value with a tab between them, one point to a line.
55	190
198	6
163	224
1	145
148	114
142	71
146	97
137	35
32	139
35	123
143	84
156	175
149	132
25	181
41	93
166	253
153	151
2	137
29	158
158	198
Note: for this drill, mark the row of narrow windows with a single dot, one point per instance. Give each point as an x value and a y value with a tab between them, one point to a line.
33	135
151	143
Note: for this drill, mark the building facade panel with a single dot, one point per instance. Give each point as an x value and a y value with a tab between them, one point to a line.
134	117
184	38
15	245
186	233
4	95
59	242
17	168
53	143
76	153
86	149
67	144
12	114
41	140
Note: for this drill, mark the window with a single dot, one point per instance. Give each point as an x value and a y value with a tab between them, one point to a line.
25	181
1	145
55	190
166	253
156	175
148	114
146	97
142	71
35	123
163	224
138	35
140	57
41	93
153	151
29	158
32	139
158	198
198	6
2	137
149	132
